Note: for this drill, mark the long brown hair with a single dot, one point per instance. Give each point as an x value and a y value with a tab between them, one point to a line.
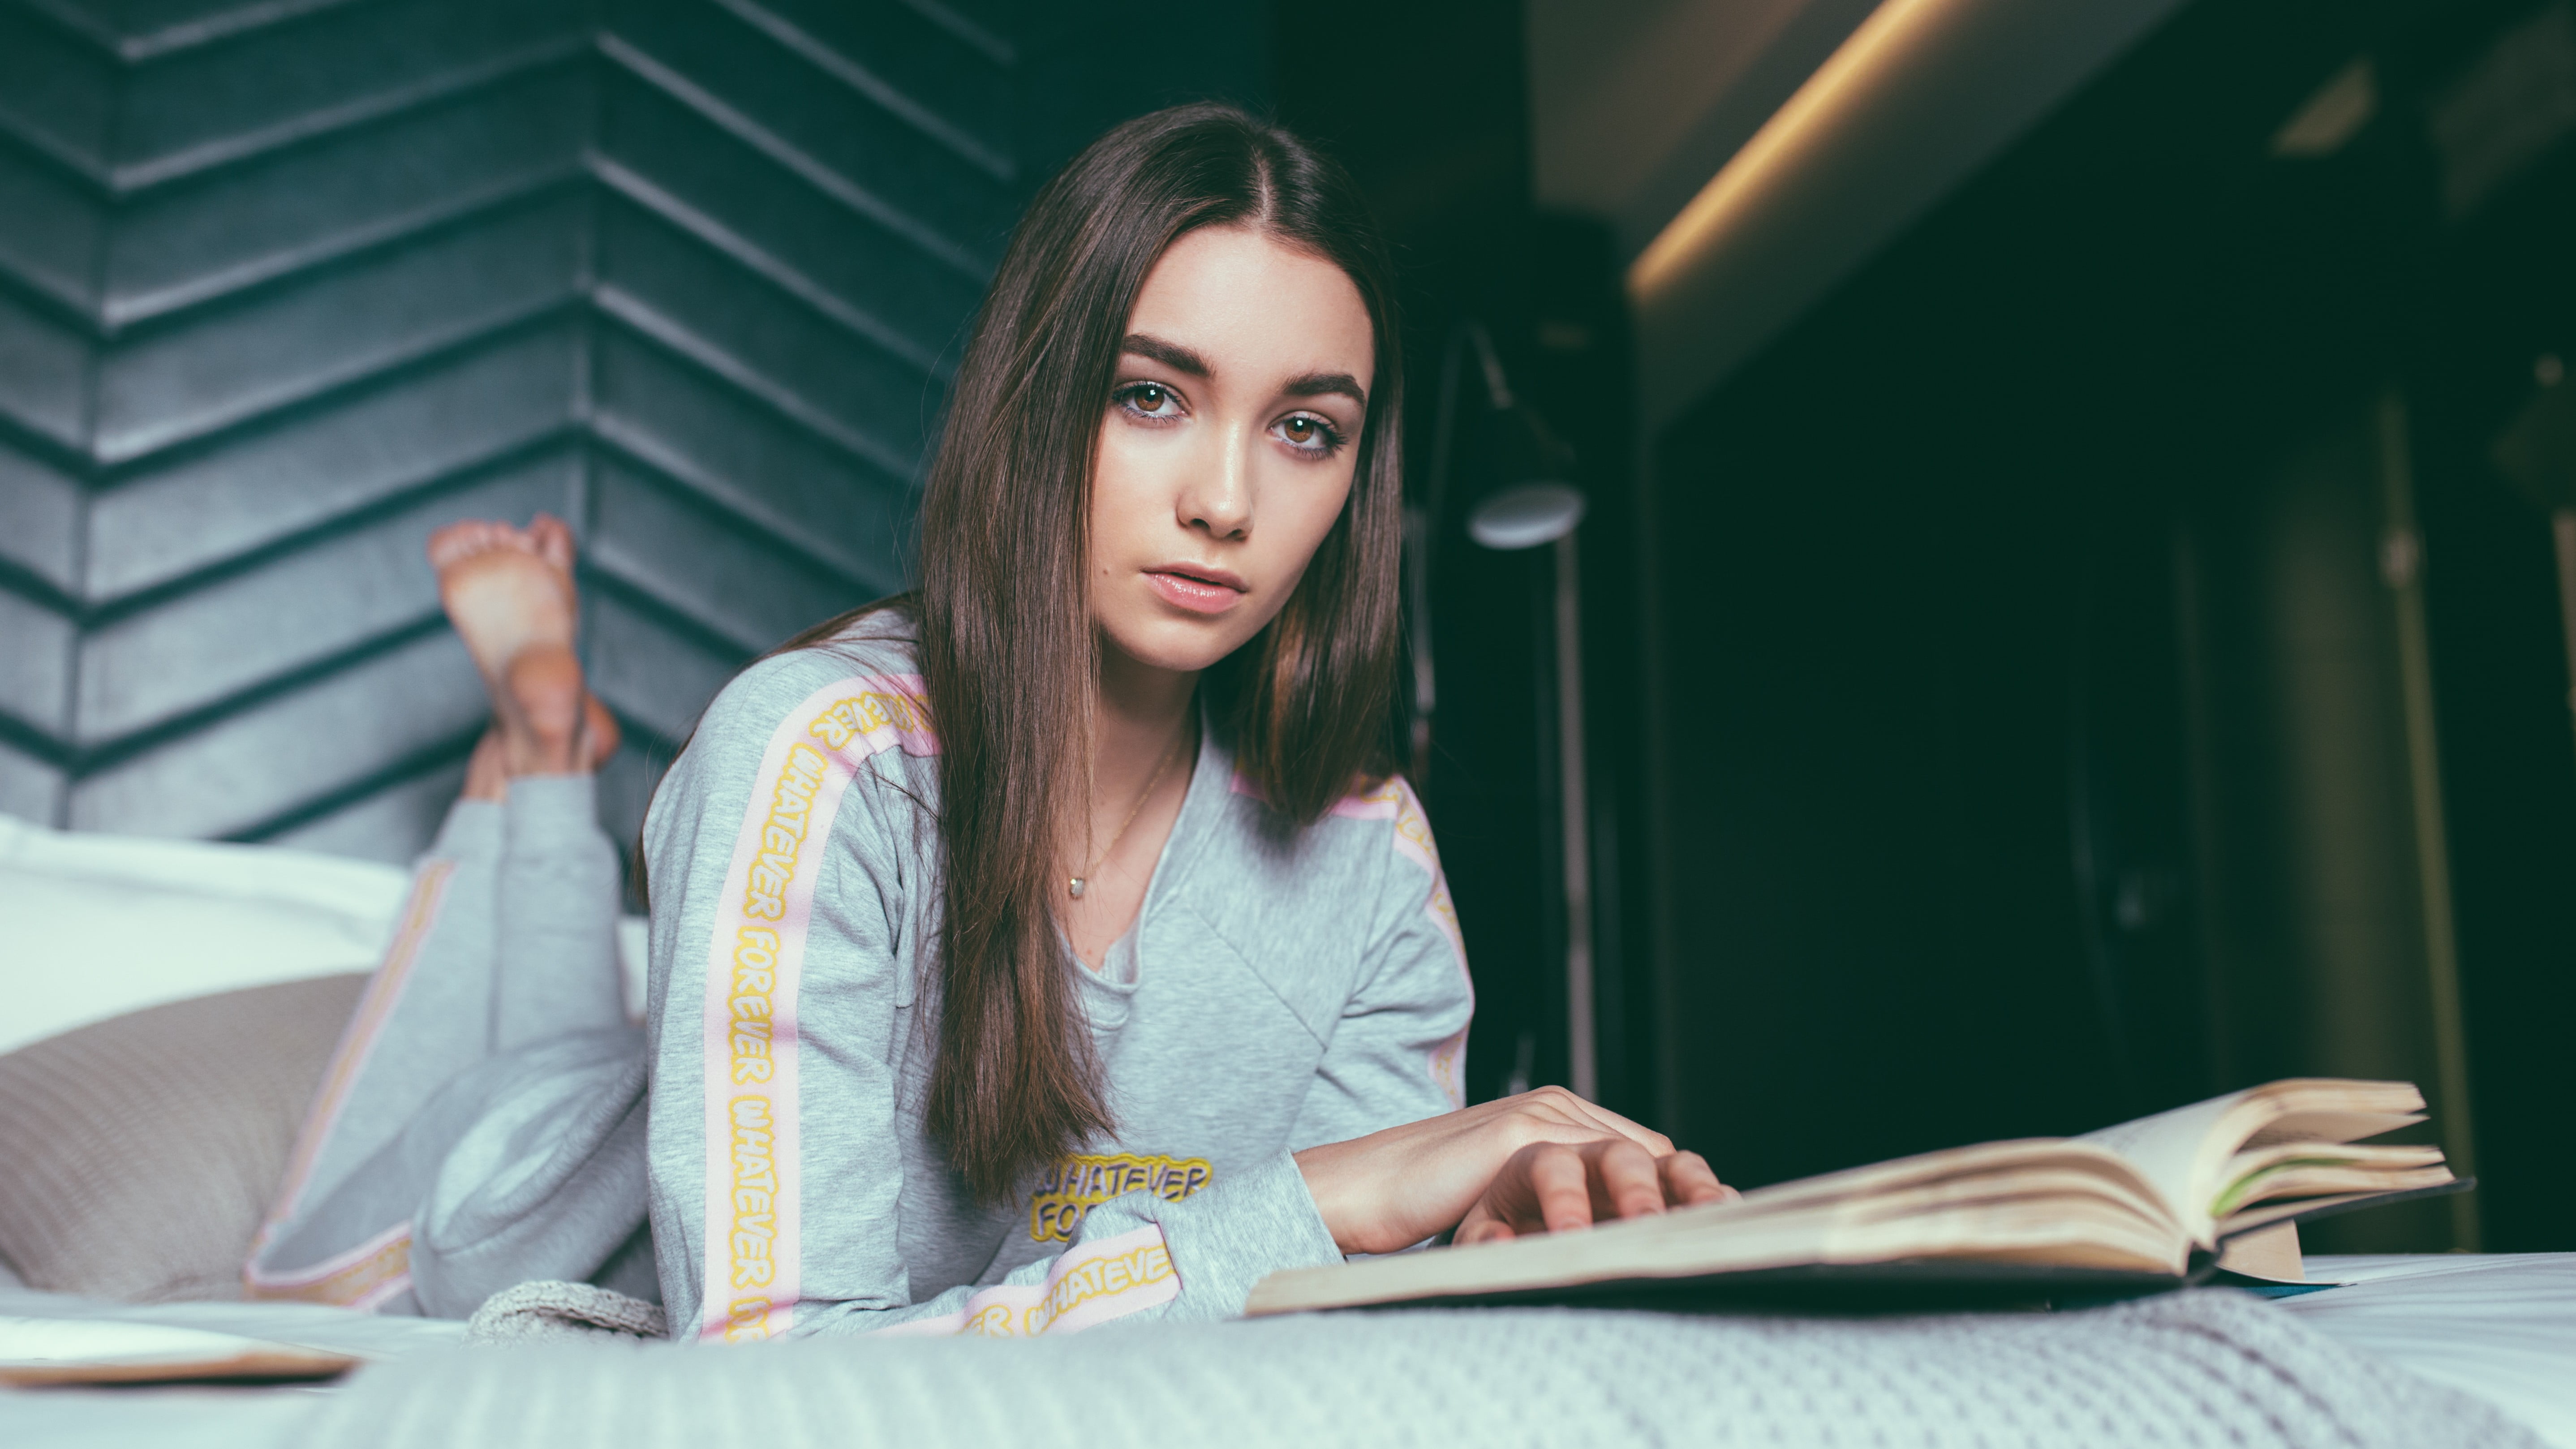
1007	648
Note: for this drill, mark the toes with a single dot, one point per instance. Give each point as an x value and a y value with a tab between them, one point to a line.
550	538
546	537
462	540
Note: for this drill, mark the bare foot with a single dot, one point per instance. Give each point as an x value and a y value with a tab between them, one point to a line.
500	591
551	537
510	595
543	711
488	778
600	734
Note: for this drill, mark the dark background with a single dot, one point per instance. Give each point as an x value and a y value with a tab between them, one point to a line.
1998	709
2030	682
2031	749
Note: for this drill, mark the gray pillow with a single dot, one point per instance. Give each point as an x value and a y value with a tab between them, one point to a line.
138	1155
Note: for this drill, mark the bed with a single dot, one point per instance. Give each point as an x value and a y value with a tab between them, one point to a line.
2415	1351
2408	1351
2501	1326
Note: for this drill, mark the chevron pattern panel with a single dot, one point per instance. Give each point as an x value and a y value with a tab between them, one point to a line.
286	284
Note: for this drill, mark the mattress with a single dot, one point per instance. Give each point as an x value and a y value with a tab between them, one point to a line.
2499	1328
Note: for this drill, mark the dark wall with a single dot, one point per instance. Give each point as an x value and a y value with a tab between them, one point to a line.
2037	711
282	288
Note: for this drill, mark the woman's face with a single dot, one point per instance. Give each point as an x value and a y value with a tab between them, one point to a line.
1234	424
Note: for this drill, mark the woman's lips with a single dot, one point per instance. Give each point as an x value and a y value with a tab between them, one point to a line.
1196	594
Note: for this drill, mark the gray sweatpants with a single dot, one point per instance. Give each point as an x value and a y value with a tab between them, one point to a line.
482	1123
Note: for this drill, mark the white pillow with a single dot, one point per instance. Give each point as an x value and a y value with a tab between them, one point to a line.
94	926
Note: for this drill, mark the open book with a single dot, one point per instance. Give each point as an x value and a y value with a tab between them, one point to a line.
2144	1205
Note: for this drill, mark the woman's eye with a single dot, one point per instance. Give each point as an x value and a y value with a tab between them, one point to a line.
1309	434
1149	400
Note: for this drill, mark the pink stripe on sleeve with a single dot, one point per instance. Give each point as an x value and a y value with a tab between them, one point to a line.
755	961
1381	803
1413	842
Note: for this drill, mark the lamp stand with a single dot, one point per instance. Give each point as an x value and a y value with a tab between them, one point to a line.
1574	817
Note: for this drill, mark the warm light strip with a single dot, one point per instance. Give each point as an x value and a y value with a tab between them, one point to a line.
1878	46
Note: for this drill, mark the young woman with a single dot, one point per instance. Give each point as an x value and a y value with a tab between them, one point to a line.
1054	944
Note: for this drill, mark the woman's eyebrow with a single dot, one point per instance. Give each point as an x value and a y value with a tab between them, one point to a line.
1316	384
1170	354
1181	359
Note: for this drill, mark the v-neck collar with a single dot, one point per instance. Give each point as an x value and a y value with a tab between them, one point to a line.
1211	776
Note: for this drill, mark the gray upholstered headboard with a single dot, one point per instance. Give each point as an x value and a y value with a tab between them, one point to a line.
282	288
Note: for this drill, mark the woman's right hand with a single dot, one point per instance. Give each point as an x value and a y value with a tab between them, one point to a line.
1542	1161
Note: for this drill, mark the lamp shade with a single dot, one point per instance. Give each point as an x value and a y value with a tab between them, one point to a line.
1532	499
1525	515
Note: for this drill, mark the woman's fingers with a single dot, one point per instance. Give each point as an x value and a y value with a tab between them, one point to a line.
1560	1181
1461	1173
1687	1179
1556	1187
1629	1184
1480	1226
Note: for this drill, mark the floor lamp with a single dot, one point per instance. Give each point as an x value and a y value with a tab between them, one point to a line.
1525	499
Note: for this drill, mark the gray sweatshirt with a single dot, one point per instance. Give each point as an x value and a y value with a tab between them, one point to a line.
1279	989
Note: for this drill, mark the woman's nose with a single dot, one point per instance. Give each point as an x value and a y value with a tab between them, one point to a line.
1218	495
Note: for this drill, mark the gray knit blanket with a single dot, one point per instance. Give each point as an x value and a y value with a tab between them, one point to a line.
2205	1368
555	1312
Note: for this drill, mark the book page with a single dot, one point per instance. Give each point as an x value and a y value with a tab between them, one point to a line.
2185	1152
1980	1160
2167	1148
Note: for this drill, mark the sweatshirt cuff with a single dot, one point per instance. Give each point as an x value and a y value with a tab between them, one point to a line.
1229	1235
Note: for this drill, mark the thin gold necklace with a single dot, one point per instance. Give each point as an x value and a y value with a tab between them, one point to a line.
1076	885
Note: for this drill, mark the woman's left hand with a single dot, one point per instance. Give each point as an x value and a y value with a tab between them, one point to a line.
1541	1160
1548	1187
